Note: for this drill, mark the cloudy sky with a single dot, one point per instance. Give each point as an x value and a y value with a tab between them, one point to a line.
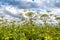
31	3
13	6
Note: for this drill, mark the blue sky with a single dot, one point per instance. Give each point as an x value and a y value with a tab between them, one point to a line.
31	3
19	3
16	5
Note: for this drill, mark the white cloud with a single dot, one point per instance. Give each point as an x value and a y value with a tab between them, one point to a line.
55	11
11	9
42	3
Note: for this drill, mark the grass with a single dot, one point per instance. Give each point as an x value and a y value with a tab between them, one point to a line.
29	32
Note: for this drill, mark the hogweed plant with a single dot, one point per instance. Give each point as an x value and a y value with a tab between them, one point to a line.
58	19
44	17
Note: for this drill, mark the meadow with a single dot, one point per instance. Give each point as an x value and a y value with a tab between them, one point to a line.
28	31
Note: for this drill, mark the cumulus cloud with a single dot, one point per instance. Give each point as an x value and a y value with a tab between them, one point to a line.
19	3
31	4
12	6
57	4
9	10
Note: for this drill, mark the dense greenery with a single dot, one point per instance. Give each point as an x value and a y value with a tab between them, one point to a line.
29	32
27	29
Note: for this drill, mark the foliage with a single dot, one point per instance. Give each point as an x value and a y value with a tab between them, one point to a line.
29	32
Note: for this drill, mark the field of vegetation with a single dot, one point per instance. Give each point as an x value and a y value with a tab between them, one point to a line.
29	30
